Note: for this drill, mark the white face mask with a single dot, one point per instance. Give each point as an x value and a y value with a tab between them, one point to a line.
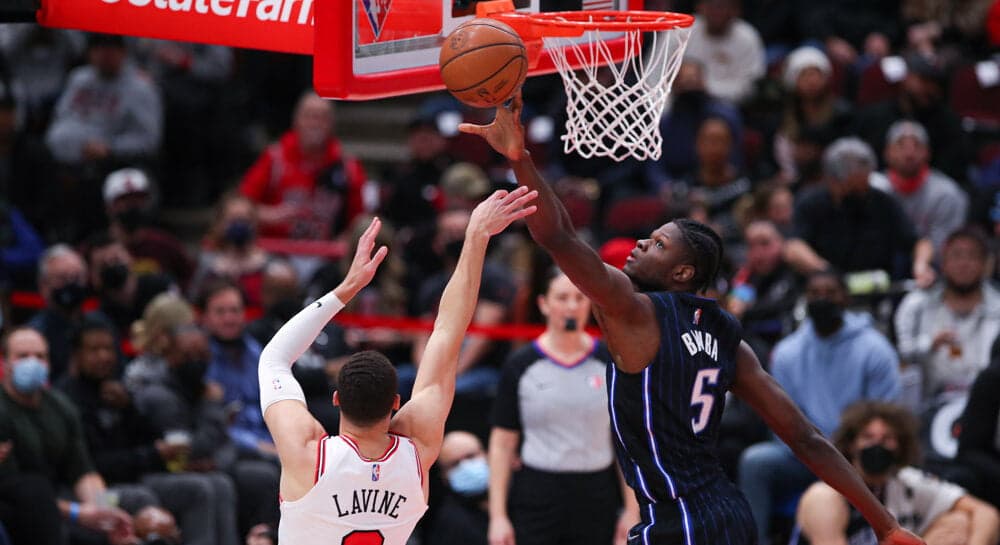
470	477
29	375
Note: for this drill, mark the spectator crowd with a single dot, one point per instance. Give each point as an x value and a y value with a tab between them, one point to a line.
165	207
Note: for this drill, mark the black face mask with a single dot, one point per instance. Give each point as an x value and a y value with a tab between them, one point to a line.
191	375
114	277
876	459
239	233
690	100
134	218
826	315
571	324
70	296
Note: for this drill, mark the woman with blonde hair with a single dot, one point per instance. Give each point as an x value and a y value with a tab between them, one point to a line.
152	338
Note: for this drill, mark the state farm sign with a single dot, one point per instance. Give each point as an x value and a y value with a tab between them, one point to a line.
275	25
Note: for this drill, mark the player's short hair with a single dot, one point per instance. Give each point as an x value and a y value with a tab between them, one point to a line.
858	415
705	250
367	387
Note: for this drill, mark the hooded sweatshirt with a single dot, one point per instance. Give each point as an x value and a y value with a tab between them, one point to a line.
825	375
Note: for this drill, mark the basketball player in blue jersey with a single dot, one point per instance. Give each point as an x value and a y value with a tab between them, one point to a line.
675	356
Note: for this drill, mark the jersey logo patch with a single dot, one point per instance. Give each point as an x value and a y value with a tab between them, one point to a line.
376	472
697	316
276	383
377	11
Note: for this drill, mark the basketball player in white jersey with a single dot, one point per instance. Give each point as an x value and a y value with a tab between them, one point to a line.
367	485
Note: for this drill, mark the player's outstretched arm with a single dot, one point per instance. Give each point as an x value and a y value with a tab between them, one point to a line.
422	418
281	398
551	227
758	389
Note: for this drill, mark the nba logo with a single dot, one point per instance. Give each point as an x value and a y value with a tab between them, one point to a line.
377	11
595	381
375	472
697	316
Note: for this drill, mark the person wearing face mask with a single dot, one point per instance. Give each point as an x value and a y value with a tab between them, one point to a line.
129	206
230	251
304	184
690	106
62	281
123	292
132	455
832	347
179	400
551	414
947	331
463	515
881	441
43	433
852	227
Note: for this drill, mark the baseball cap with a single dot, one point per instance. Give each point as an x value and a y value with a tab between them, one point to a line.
904	128
124	182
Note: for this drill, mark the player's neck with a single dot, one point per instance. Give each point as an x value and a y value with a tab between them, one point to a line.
372	440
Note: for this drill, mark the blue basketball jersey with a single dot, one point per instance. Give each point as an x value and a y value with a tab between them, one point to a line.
666	418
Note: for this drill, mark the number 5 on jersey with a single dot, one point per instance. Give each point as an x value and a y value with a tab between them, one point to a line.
705	400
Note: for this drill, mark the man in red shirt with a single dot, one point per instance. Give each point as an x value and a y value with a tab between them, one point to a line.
304	186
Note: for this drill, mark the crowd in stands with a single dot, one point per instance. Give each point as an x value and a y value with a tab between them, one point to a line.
848	153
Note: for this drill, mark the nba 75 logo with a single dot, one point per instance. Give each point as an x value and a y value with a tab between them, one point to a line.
377	11
375	472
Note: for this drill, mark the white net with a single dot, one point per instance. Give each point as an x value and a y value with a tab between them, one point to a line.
614	109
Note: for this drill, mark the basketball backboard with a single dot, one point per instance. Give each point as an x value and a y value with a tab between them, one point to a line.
368	49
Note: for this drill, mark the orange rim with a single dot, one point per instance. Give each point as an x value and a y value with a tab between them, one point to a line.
575	23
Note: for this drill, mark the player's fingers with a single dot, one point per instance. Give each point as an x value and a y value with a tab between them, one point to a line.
517	104
513	195
367	240
524	198
471	129
379	256
525	212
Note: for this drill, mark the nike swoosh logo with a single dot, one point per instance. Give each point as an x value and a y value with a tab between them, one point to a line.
318	304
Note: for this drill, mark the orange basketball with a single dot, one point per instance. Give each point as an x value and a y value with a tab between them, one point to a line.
483	62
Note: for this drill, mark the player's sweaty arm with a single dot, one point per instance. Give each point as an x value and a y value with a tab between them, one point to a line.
551	227
769	400
281	398
422	418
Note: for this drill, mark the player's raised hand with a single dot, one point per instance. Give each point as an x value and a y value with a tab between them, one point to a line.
505	134
499	210
365	264
901	536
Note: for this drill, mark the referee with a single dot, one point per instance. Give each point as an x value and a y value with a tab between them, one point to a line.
551	421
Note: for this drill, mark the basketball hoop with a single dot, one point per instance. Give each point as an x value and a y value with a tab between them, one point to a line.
613	109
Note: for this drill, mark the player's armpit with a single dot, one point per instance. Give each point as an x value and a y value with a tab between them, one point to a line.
292	427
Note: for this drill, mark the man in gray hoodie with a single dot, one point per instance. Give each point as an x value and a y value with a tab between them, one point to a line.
832	360
108	111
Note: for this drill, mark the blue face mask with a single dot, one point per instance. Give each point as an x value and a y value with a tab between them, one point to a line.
29	375
470	477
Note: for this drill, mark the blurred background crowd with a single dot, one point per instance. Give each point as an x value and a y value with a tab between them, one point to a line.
165	207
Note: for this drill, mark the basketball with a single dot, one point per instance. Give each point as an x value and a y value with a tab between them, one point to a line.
483	62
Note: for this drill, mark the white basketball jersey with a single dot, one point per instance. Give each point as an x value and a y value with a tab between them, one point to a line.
356	500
